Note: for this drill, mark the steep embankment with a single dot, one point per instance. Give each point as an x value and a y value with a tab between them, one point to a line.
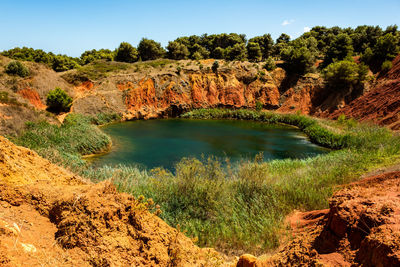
160	88
361	227
49	216
381	104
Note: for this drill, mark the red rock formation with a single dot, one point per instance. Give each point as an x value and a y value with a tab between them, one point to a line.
33	97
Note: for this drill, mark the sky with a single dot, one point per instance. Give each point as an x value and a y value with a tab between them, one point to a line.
74	26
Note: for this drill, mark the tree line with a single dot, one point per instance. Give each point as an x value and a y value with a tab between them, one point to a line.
374	46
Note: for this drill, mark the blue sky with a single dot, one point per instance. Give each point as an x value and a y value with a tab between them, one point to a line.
71	27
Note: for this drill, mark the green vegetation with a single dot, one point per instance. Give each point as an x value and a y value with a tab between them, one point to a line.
373	44
229	206
17	68
126	53
342	75
66	143
149	49
215	66
57	62
300	55
58	101
93	55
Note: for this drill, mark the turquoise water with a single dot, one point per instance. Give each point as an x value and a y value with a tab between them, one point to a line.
162	143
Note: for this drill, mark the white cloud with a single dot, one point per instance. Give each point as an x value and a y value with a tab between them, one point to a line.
287	22
306	29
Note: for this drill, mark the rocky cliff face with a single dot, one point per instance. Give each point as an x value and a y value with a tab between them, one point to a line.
147	90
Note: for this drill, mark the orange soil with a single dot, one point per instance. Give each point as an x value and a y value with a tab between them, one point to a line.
361	228
33	97
48	216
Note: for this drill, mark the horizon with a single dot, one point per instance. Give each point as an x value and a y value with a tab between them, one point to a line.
65	28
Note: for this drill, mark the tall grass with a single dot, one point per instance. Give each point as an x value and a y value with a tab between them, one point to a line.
242	206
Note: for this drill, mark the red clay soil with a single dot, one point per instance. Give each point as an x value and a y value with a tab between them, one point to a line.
33	97
50	217
381	104
361	228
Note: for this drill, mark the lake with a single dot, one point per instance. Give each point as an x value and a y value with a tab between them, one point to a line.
162	143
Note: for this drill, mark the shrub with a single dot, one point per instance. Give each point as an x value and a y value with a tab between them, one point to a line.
58	101
215	66
386	66
269	64
17	68
259	105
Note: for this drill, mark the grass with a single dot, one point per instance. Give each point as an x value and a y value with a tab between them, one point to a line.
241	207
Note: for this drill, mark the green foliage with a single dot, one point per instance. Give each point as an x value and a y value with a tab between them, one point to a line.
300	55
254	52
58	101
215	66
259	105
178	51
98	69
93	55
57	62
340	48
265	43
64	63
269	64
344	74
149	49
386	66
126	53
237	52
17	68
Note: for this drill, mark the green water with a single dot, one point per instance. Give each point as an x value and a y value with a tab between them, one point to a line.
162	143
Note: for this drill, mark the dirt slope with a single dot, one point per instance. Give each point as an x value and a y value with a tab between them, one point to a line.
381	104
50	217
361	228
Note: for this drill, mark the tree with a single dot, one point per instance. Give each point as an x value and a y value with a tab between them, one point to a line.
177	51
92	55
126	53
299	56
219	53
149	49
199	52
340	48
64	63
254	52
58	101
281	43
345	74
17	68
237	52
385	49
266	44
283	38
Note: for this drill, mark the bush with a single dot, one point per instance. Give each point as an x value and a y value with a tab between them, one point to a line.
344	74
269	64
386	66
17	68
58	101
259	105
215	66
